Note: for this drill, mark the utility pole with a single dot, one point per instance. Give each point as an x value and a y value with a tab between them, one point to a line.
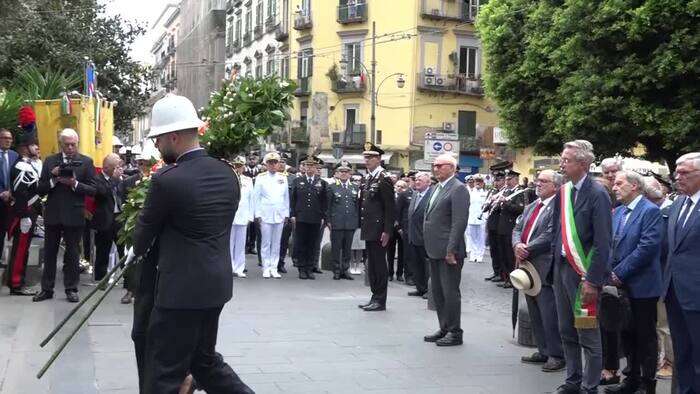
373	120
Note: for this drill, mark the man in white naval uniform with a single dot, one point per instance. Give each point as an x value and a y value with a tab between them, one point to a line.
244	215
476	228
271	207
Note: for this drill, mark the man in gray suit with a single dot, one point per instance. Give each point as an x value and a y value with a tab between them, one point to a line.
443	230
416	245
532	240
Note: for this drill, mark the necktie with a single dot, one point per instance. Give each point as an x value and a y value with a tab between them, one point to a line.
684	215
5	177
574	192
434	196
531	222
623	222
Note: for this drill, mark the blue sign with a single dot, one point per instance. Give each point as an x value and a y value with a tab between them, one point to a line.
437	146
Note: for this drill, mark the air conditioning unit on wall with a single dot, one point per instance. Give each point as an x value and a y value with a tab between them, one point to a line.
429	71
429	80
439	81
448	126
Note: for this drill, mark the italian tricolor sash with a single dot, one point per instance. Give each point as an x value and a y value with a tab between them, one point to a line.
579	260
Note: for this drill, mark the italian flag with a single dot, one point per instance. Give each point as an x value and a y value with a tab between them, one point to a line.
580	261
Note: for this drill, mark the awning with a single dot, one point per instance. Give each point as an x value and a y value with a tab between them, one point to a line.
355	158
470	161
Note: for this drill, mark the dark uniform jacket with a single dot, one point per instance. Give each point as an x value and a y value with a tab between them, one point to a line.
377	212
510	210
493	210
403	201
65	206
343	203
307	200
416	216
23	194
189	209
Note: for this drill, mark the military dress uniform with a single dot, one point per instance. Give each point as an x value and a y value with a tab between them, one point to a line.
271	196
343	217
308	207
509	212
286	230
239	229
377	215
493	211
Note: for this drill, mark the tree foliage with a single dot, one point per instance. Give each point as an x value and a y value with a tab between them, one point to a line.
244	110
616	72
61	34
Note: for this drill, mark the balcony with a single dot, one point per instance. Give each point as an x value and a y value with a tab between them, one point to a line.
236	46
302	20
349	84
282	31
258	32
354	138
444	10
171	50
247	39
355	13
457	84
270	24
299	132
303	87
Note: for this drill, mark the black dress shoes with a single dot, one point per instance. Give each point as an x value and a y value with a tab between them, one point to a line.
336	276
399	278
22	291
281	270
567	389
628	386
553	365
310	274
415	293
43	295
72	296
374	307
363	306
425	295
490	278
534	358
410	282
439	334
451	339
497	279
317	270
391	278
346	276
303	274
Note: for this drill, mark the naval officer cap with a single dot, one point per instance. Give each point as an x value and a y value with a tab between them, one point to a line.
271	156
344	165
372	150
238	161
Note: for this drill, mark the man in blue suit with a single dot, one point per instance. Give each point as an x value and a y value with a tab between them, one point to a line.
636	267
416	244
681	284
8	157
590	212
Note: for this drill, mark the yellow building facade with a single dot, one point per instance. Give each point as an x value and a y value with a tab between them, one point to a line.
428	78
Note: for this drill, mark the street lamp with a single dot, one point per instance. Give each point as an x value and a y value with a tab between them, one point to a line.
400	83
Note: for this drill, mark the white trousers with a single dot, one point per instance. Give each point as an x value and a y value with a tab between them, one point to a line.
270	237
238	234
476	239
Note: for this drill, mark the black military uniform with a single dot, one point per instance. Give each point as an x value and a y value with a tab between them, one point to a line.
343	218
493	211
509	212
253	234
192	227
288	226
377	215
308	206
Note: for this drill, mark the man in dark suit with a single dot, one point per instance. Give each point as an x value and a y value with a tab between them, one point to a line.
342	201
532	241
108	201
377	215
192	227
307	207
403	196
493	210
636	268
8	157
680	286
445	222
66	177
588	204
414	233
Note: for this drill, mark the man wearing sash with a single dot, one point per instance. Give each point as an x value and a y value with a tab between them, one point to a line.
582	223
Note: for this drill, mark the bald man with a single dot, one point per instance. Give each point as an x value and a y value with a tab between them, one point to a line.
108	205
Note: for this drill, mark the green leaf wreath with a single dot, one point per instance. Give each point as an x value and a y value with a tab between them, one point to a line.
241	112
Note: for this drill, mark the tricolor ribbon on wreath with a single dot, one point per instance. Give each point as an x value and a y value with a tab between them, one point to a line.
580	261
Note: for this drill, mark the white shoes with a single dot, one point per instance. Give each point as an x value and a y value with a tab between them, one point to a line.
240	274
266	273
275	274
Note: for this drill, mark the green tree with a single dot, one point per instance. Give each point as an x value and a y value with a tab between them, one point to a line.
616	72
61	34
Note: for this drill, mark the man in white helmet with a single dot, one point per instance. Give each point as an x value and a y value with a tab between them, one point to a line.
188	213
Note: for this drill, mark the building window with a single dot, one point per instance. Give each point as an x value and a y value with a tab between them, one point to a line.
271	9
259	14
258	68
271	65
249	20
284	67
239	22
469	62
353	55
229	33
305	64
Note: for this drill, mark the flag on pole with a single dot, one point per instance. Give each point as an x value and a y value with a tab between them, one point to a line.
90	79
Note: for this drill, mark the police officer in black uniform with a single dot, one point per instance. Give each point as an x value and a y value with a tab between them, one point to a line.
343	219
492	210
308	214
511	204
288	227
377	217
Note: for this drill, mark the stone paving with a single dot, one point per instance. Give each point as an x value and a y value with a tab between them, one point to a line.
290	336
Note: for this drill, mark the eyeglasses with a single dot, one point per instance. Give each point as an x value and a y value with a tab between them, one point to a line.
679	174
438	165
